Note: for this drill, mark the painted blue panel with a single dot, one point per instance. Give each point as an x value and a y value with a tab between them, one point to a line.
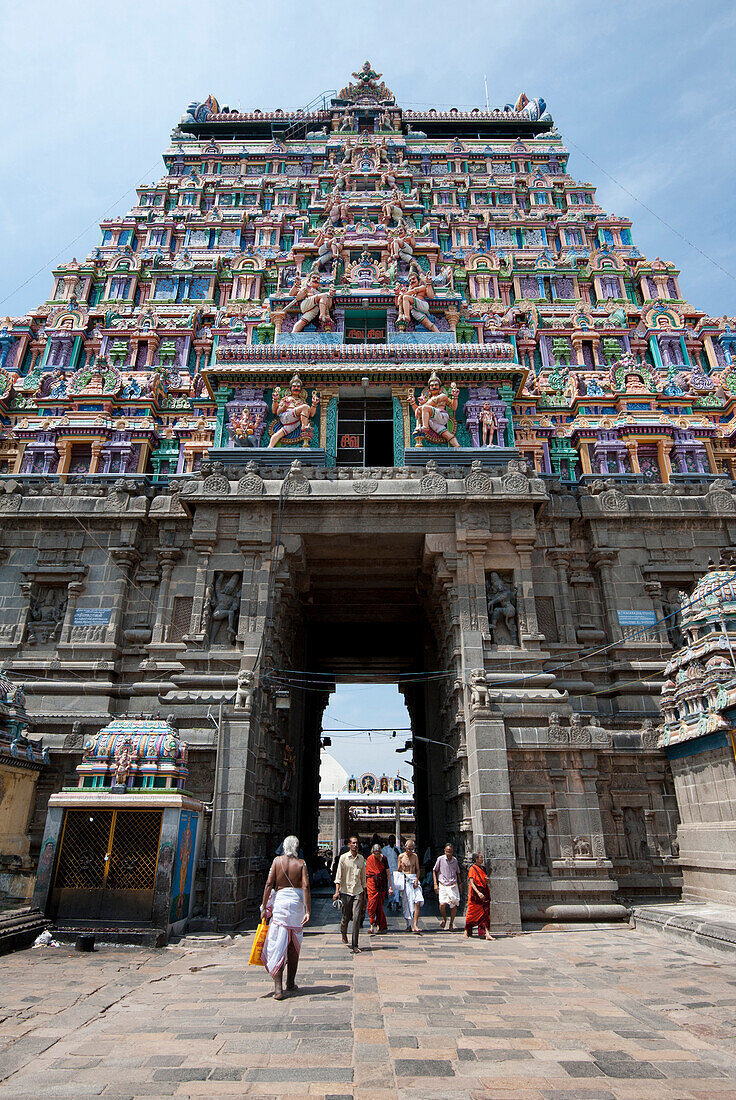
699	744
420	337
296	338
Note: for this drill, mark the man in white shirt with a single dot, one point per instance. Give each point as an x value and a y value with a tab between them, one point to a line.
391	854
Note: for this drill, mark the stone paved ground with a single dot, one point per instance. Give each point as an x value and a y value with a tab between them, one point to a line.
593	1014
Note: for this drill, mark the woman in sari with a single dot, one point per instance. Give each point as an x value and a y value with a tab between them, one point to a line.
286	905
376	875
479	899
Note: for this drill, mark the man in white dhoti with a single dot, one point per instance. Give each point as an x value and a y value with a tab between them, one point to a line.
446	874
412	897
286	904
391	854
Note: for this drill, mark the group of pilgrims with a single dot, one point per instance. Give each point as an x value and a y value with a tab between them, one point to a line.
386	876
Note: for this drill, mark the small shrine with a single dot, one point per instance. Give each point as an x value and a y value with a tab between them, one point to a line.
120	849
364	804
124	758
21	761
699	738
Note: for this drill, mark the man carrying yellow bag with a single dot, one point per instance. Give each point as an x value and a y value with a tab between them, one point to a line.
289	905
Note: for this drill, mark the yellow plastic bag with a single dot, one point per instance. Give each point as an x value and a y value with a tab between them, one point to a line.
255	951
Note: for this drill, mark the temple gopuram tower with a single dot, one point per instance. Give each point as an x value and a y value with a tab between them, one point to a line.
364	393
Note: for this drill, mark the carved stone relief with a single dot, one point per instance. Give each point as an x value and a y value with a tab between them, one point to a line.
46	610
535	836
222	608
502	614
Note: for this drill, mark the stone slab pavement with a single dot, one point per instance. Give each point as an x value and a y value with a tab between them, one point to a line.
592	1014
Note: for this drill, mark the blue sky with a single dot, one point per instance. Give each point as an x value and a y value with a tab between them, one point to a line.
359	706
91	92
646	90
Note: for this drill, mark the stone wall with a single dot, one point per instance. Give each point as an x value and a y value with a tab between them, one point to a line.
706	795
159	600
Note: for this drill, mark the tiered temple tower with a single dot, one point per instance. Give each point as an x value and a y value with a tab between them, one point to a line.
364	391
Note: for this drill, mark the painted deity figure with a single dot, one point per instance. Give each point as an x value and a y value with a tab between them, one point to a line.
489	425
411	302
401	244
349	123
292	407
336	206
243	427
434	411
313	302
123	762
392	209
386	180
329	248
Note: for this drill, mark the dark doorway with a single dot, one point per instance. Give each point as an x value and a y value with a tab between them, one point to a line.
365	326
365	431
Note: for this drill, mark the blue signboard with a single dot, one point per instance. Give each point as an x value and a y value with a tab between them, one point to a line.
92	616
637	618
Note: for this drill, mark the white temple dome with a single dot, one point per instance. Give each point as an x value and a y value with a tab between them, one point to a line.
332	775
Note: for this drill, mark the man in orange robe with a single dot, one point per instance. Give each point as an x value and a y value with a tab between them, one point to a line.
378	885
479	899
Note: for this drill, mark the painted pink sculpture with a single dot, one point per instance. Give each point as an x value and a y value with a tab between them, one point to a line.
313	302
435	410
293	407
412	304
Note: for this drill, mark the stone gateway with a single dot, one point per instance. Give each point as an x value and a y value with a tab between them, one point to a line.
379	394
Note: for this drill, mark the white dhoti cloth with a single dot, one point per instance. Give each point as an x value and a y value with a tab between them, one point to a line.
438	421
449	895
289	419
285	927
411	893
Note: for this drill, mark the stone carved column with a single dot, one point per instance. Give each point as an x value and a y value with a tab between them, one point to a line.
204	553
589	778
604	561
553	834
491	812
529	636
518	816
562	814
74	590
126	558
559	560
652	837
168	558
653	589
619	838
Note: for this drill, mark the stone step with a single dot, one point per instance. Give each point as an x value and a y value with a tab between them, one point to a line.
19	928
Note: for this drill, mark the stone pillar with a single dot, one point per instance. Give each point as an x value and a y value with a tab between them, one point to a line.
126	558
653	589
95	460
619	837
589	777
559	559
488	774
168	557
74	590
529	636
604	560
204	553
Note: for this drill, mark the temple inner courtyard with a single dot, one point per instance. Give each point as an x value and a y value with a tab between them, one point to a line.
598	1013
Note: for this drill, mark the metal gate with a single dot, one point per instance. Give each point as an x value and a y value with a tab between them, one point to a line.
107	866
